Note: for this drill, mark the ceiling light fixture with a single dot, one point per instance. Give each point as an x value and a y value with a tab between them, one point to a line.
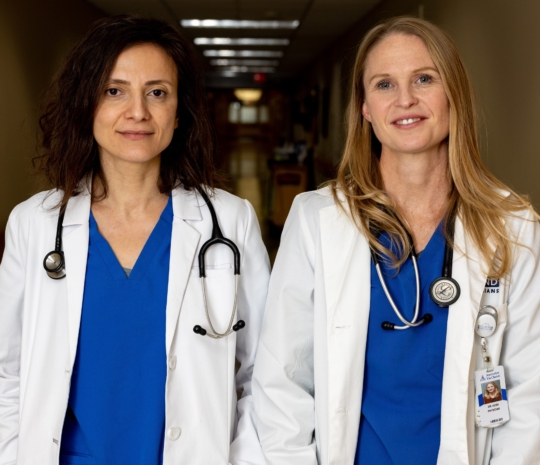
230	41
250	69
234	24
234	62
243	53
248	96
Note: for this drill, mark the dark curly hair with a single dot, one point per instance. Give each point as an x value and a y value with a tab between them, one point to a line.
69	153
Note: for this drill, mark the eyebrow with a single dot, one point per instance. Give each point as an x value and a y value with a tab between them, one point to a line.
147	83
419	70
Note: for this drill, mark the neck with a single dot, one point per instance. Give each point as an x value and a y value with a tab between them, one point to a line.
418	184
131	187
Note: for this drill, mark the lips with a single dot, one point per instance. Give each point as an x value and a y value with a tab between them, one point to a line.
135	135
407	121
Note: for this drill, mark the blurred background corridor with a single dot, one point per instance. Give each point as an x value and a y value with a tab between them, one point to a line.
277	79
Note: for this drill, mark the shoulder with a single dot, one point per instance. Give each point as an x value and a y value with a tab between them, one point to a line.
305	213
313	201
229	208
36	207
523	226
229	201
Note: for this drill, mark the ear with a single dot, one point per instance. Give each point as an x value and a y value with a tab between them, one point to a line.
365	112
176	123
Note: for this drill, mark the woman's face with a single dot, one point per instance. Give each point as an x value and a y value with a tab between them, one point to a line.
405	100
490	388
136	114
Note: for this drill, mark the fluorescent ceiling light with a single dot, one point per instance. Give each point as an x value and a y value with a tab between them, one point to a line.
233	62
229	41
243	53
228	74
251	69
234	24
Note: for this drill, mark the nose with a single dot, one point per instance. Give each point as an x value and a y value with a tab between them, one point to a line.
137	108
405	97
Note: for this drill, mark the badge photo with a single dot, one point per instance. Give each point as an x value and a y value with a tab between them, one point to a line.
491	399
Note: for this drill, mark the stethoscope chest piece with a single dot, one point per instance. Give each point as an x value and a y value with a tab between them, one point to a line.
54	265
54	262
444	291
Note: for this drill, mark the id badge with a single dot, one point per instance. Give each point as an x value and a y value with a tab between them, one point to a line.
491	400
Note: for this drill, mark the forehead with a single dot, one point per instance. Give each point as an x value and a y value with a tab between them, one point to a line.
398	53
147	60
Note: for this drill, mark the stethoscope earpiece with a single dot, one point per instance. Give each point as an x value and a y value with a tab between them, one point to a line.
239	325
427	318
199	330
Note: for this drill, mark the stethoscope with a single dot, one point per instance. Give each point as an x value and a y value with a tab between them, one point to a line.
444	291
54	264
217	238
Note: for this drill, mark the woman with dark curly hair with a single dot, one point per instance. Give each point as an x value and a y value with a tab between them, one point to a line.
104	366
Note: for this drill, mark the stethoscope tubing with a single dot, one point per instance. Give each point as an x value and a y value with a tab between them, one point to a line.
217	238
406	322
446	278
229	330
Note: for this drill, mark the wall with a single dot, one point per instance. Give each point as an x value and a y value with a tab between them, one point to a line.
34	37
500	43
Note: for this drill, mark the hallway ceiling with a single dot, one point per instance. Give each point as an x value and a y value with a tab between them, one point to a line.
321	23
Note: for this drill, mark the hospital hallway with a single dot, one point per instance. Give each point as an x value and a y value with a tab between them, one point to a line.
246	164
254	157
278	79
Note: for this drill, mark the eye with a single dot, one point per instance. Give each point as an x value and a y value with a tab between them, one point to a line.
425	79
157	93
384	85
112	92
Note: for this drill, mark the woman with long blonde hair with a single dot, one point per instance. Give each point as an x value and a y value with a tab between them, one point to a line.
492	393
373	326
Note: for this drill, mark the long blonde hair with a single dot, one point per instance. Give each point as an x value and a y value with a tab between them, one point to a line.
481	201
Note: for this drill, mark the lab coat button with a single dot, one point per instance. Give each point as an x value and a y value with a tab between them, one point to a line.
174	433
172	362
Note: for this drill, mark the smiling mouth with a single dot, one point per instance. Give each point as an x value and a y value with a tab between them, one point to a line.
136	133
403	122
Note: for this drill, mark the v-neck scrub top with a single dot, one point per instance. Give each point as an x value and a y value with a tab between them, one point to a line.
116	412
401	405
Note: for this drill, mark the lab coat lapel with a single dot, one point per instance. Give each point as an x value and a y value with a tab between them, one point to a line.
346	264
75	236
469	271
184	245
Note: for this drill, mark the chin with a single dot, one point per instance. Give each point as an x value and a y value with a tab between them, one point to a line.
135	157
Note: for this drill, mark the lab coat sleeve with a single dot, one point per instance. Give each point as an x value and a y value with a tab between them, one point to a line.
518	441
283	378
11	304
253	286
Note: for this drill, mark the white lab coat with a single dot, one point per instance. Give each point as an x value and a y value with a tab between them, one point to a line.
39	327
308	376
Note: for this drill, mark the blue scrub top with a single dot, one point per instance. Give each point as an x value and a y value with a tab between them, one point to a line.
116	412
401	404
